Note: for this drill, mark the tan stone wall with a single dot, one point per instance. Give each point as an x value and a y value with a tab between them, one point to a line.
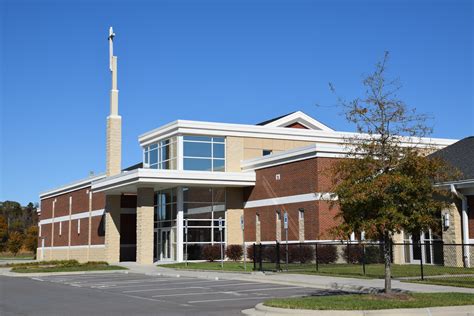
301	229
145	225
112	228
234	232
452	235
234	201
114	145
398	254
243	148
82	254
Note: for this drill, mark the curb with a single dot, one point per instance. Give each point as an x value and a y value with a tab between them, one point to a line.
40	274
466	310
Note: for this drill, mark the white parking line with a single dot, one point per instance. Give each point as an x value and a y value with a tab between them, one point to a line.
184	283
231	292
232	299
169	289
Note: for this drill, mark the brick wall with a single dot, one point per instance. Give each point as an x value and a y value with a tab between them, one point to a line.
301	177
79	204
470	207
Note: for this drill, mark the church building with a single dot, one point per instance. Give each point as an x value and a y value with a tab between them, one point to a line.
199	183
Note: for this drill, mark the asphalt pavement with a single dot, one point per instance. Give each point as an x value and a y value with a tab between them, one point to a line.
137	294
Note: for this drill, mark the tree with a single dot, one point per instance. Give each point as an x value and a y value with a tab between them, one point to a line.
386	185
31	239
3	233
15	241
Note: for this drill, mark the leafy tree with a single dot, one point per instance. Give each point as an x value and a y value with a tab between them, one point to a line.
3	233
31	239
15	241
387	184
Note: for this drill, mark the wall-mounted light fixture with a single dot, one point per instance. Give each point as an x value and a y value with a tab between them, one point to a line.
446	221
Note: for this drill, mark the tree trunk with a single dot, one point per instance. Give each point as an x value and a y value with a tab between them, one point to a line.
387	256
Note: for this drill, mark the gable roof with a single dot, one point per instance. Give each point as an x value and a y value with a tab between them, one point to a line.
459	155
296	117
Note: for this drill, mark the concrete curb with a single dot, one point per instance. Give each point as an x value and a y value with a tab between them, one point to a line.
40	274
260	310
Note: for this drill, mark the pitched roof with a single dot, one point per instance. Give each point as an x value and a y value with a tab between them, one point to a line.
459	155
274	119
296	117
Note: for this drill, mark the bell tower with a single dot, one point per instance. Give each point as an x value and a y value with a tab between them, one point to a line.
114	120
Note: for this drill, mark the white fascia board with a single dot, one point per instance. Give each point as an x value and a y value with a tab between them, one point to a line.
297	154
143	177
77	185
181	127
460	184
300	117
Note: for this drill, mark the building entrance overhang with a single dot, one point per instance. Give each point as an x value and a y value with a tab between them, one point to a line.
130	181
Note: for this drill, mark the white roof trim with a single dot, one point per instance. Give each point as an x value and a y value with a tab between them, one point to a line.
302	118
144	177
293	155
181	127
76	185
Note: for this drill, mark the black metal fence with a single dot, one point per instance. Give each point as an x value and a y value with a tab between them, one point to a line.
408	260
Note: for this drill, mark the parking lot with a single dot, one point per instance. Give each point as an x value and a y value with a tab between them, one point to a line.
159	294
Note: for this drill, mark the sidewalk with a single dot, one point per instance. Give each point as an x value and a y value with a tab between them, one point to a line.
261	310
311	281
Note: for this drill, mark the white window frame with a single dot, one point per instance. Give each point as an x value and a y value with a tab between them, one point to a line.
78	226
212	142
60	228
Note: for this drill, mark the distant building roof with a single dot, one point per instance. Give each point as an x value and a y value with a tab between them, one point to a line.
460	155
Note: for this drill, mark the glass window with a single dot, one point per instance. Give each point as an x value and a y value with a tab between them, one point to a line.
197	164
161	155
266	152
204	153
202	208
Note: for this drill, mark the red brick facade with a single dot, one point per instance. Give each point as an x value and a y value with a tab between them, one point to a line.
296	178
67	204
470	207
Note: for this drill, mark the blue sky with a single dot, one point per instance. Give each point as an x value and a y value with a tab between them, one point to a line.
226	61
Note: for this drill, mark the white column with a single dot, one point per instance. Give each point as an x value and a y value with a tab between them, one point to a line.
179	153
179	225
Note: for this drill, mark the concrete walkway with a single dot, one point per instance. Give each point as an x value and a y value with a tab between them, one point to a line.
261	310
311	281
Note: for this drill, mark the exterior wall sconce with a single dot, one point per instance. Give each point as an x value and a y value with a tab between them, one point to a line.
446	221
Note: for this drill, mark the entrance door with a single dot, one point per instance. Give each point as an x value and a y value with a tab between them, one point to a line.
164	244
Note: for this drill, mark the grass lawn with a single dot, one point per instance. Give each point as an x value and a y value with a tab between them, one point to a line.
373	301
450	281
20	256
228	266
61	266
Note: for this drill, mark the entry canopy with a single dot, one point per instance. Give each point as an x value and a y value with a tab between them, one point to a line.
129	182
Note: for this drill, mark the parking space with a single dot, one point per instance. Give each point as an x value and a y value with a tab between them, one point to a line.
185	292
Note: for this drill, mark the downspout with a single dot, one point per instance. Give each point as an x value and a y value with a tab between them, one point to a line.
464	226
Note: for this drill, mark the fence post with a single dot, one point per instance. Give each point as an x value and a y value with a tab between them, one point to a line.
317	264
421	260
277	260
254	257
363	258
260	266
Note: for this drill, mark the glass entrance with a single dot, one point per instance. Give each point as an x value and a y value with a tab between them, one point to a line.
164	249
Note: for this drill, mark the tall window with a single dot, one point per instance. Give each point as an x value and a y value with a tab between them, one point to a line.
161	155
165	208
202	208
204	153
